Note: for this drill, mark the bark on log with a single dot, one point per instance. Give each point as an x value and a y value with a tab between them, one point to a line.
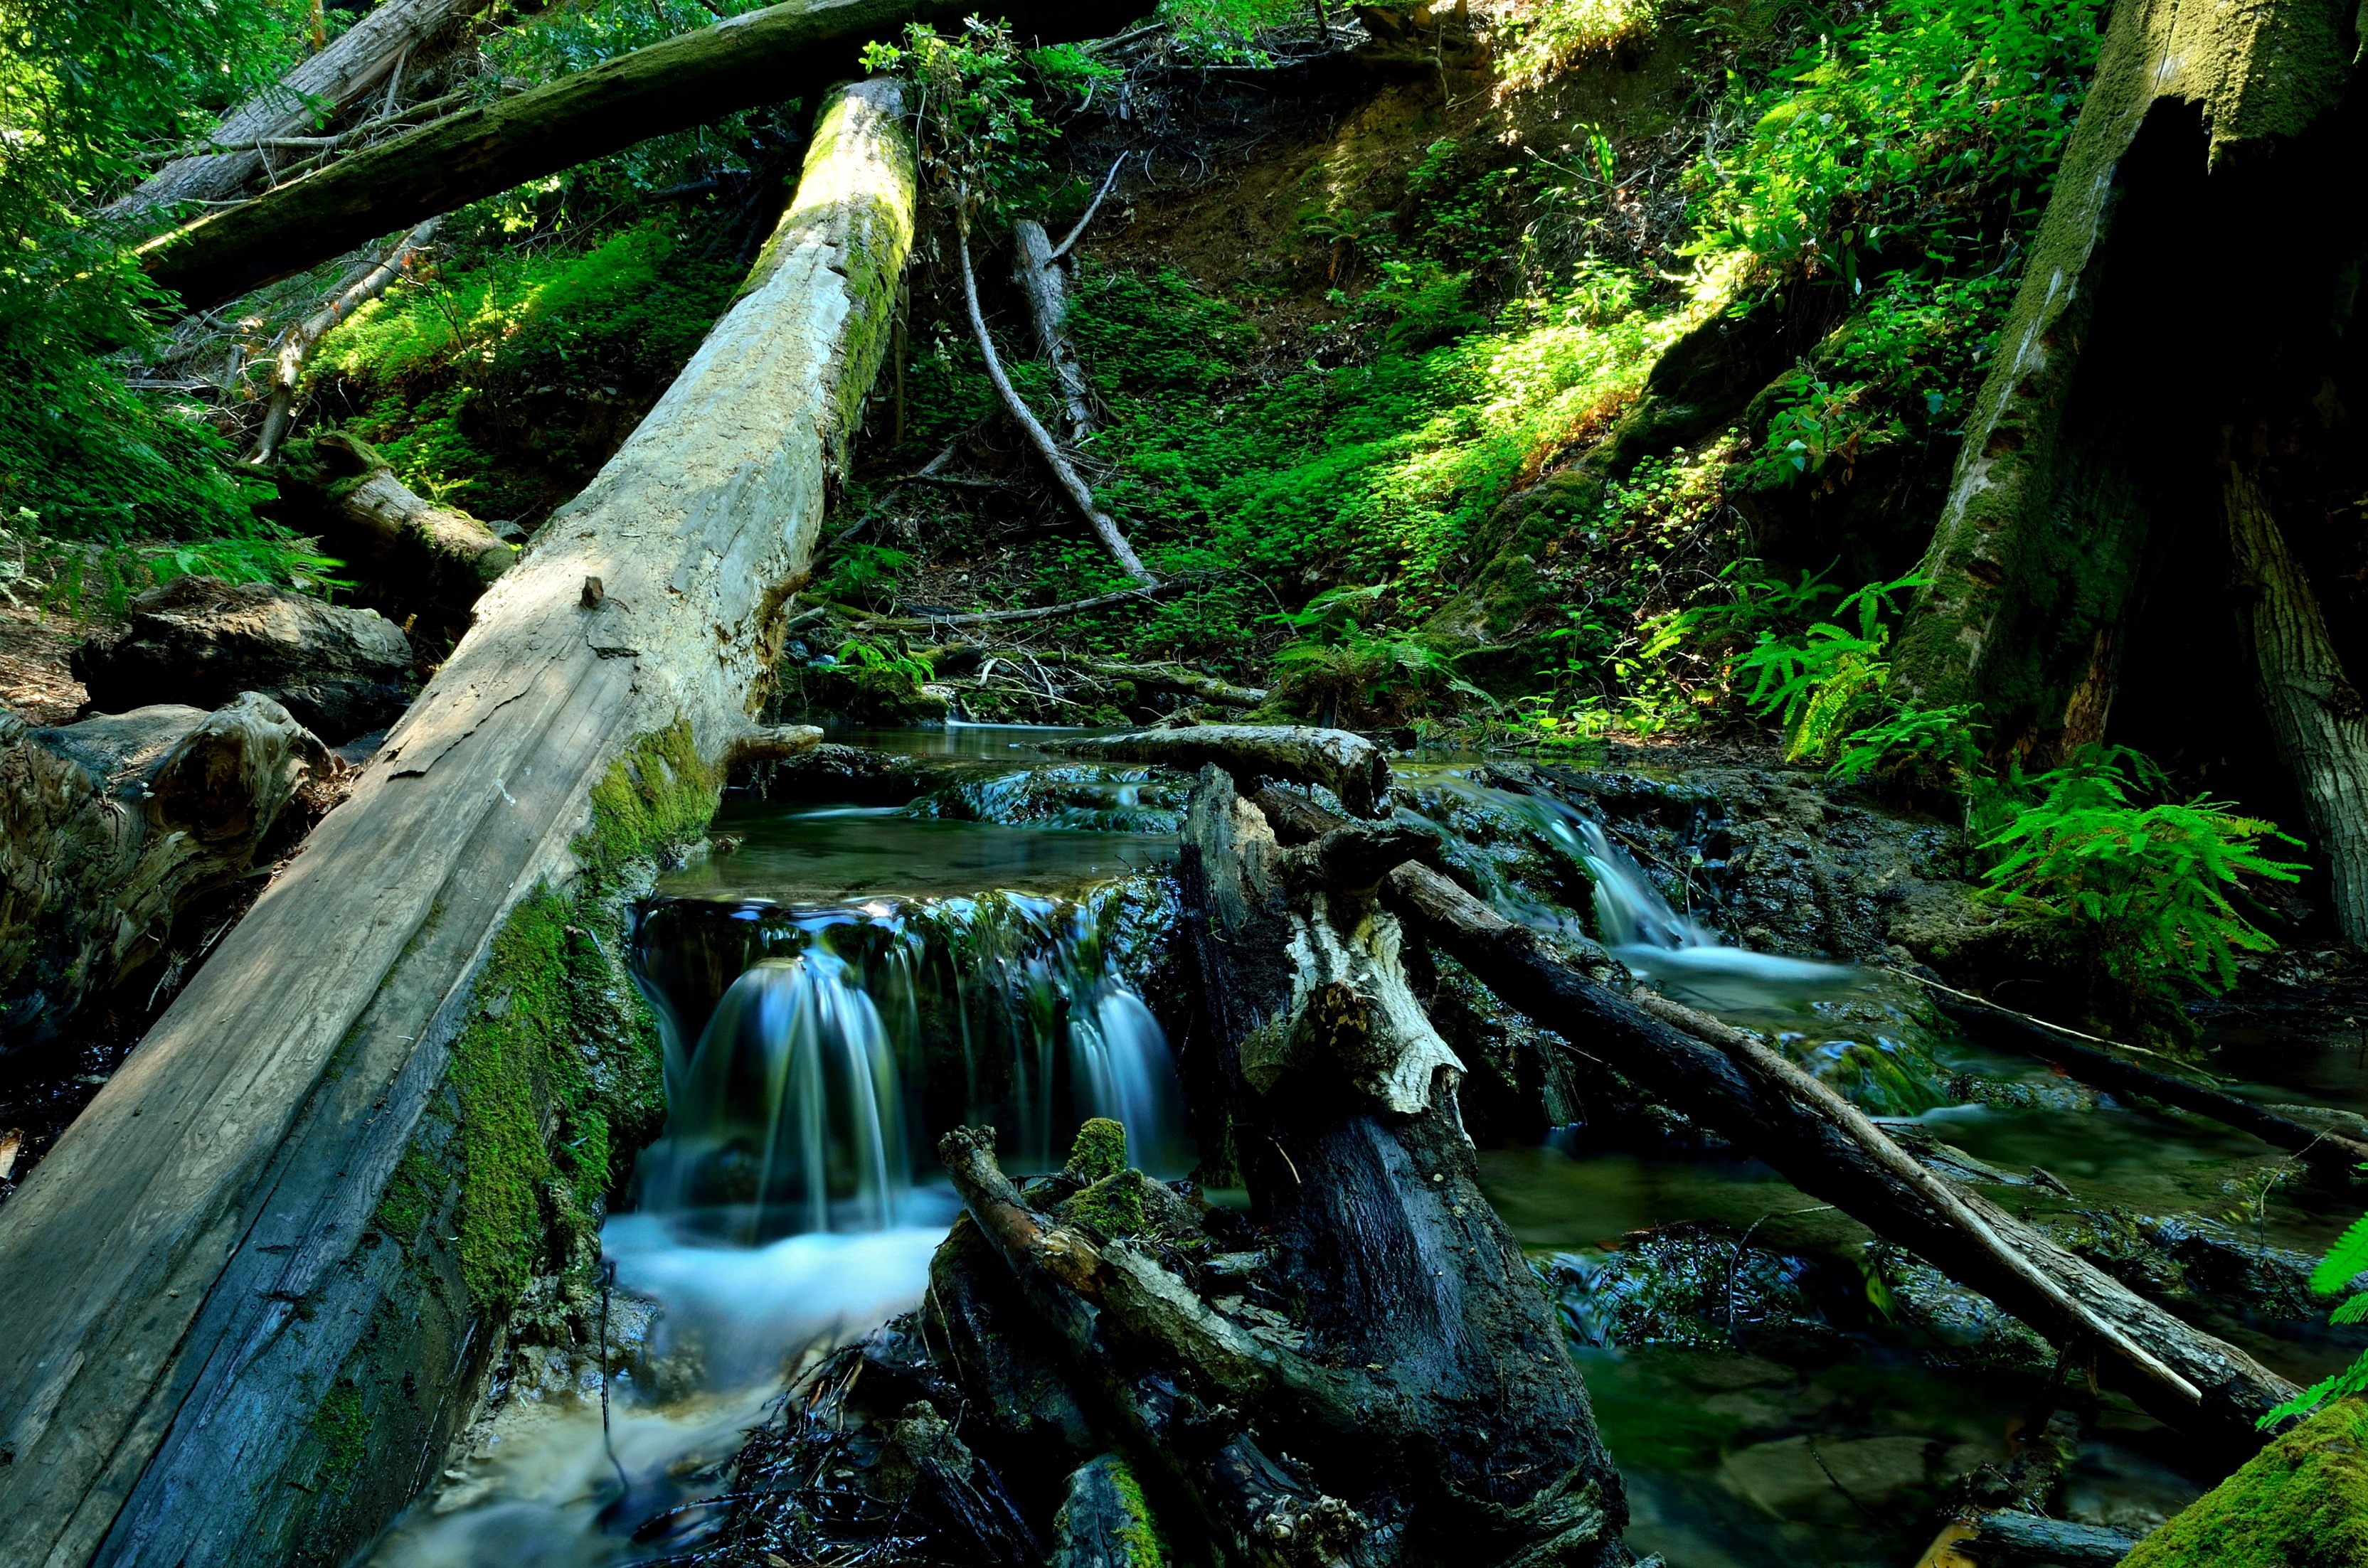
2314	712
1349	766
418	555
184	1275
296	348
2036	559
783	51
1038	272
111	827
2007	1536
1745	1093
1314	1068
357	62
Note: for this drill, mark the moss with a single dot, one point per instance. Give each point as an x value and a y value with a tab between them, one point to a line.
1111	1207
2300	1503
343	1429
1100	1150
412	1196
1140	1534
659	793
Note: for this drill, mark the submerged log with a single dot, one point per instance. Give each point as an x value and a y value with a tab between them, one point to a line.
1746	1093
190	1278
758	57
1351	767
111	827
2314	710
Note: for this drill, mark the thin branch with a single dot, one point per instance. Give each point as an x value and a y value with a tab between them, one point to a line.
297	346
1046	612
1091	208
1083	498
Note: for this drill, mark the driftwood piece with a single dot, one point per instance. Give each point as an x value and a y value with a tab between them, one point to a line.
759	57
183	1274
1744	1093
1351	767
363	56
111	827
2314	710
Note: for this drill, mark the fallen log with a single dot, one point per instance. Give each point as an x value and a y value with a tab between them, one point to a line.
2009	1537
1351	767
1172	678
308	1203
2330	1153
417	556
322	84
111	827
1746	1093
759	57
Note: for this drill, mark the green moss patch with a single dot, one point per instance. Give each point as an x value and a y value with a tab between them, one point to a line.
2300	1503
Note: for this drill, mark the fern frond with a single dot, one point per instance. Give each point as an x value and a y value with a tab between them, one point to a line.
2344	1261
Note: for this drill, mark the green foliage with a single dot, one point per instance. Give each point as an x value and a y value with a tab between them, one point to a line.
2151	882
2301	1502
2345	1261
863	574
1910	742
1338	671
1559	34
1835	675
1933	130
985	107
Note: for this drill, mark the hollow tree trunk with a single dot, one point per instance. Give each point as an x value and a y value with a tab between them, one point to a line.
2316	712
759	57
2037	562
357	62
1450	1408
1038	272
1742	1091
194	1287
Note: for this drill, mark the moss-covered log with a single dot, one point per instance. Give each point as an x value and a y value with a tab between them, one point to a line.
2181	241
782	53
2300	1503
214	1353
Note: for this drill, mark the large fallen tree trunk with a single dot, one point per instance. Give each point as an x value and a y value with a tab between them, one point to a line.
250	1290
760	57
1746	1093
2314	712
322	85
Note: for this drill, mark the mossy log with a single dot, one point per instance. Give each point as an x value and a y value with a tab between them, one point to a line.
1348	765
212	1356
357	61
1747	1093
759	57
2314	710
418	556
111	827
2300	1501
2090	409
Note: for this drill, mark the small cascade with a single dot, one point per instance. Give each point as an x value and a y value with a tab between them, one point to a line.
791	1114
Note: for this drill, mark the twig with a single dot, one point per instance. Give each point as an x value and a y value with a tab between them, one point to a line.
1083	498
1091	208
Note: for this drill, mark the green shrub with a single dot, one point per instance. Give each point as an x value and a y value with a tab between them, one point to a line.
2344	1263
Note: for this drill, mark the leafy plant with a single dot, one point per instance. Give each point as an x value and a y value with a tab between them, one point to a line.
2343	1264
886	680
1929	743
864	574
1824	684
1339	669
2153	882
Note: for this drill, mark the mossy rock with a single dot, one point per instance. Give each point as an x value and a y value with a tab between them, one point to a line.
1111	1208
2300	1503
1098	1151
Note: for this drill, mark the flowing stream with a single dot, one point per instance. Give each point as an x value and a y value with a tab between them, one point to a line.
849	981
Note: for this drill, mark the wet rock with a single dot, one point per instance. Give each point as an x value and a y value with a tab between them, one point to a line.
1834	1479
927	1470
1970	1331
1104	1521
202	641
1691	1285
845	773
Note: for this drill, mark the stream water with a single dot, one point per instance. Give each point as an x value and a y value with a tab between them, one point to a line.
849	981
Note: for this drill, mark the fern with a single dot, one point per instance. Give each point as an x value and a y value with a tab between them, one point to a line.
2153	882
2345	1261
1823	685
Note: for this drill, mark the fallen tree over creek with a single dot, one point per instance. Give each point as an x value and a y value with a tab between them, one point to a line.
282	1245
